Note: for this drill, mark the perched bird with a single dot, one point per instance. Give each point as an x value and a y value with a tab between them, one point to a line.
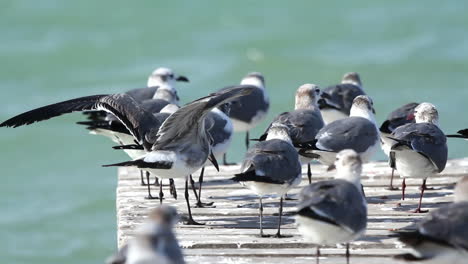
271	167
419	149
460	134
400	116
160	91
338	98
334	211
304	122
154	242
442	236
175	148
220	130
249	111
357	132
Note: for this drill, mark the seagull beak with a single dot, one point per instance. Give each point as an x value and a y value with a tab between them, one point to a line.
331	167
213	160
373	110
182	79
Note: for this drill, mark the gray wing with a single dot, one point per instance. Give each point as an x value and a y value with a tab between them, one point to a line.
342	95
217	131
247	107
154	105
355	133
141	94
335	201
187	119
400	116
274	159
447	224
425	138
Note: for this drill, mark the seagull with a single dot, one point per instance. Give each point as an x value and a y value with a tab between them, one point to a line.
271	167
357	132
118	133
160	91
304	122
249	111
176	148
400	116
419	149
334	211
460	134
220	130
442	236
154	241
338	98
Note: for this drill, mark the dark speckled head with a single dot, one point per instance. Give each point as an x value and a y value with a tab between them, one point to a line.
307	96
163	75
352	77
364	102
254	78
461	190
426	112
349	166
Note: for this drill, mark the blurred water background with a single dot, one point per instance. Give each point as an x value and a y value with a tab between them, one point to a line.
57	205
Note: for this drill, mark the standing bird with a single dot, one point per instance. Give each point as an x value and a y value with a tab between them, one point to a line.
400	116
334	211
248	111
357	132
419	149
338	98
154	242
160	91
271	167
304	122
220	130
175	148
442	236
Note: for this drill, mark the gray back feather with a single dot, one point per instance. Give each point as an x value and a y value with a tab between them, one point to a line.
343	95
339	200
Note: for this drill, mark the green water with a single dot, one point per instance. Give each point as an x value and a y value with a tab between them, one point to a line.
57	203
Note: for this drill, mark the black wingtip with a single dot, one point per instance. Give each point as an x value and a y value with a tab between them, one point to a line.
122	164
131	146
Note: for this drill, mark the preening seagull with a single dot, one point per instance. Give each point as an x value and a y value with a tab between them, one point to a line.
400	116
419	149
442	236
220	129
154	241
357	132
271	167
176	148
250	110
334	211
338	98
304	122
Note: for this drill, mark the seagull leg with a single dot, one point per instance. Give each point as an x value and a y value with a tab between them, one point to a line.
347	253
150	197
247	139
200	182
161	194
141	177
403	187
190	221
261	217
172	188
192	183
225	162
156	181
309	173
278	234
418	210
317	255
391	187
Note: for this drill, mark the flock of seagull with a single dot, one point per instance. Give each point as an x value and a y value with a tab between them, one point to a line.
335	126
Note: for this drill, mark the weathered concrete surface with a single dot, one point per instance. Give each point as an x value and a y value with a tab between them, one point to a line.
230	233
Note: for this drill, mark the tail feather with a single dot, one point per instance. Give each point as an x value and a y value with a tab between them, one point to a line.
250	175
